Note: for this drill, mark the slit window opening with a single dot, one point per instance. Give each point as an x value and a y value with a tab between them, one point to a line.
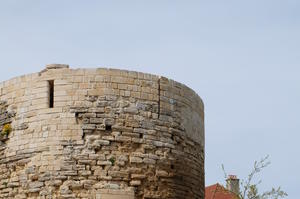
51	93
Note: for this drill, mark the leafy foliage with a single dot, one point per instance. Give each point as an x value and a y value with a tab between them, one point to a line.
249	189
112	160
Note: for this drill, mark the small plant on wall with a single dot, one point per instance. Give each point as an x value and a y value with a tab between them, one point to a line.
112	160
5	131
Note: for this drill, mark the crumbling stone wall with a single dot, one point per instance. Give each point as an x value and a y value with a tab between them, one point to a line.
110	134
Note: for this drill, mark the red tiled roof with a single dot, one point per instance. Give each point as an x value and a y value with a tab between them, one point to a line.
217	191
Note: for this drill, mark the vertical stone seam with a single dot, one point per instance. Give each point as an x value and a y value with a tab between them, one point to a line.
158	109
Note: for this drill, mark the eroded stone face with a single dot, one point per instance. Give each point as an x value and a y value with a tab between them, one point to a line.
110	133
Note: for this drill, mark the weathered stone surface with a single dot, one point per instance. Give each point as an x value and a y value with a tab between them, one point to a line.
161	173
136	160
135	182
109	131
138	176
36	184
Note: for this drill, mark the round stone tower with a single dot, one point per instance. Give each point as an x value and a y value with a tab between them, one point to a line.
100	133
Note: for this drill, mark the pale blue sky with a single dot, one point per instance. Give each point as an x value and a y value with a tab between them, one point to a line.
241	57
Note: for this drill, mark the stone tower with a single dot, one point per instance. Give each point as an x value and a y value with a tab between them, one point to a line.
100	133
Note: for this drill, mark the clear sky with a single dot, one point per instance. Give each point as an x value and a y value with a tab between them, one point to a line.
241	57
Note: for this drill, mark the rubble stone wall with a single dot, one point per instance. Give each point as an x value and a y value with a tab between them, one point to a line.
110	133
